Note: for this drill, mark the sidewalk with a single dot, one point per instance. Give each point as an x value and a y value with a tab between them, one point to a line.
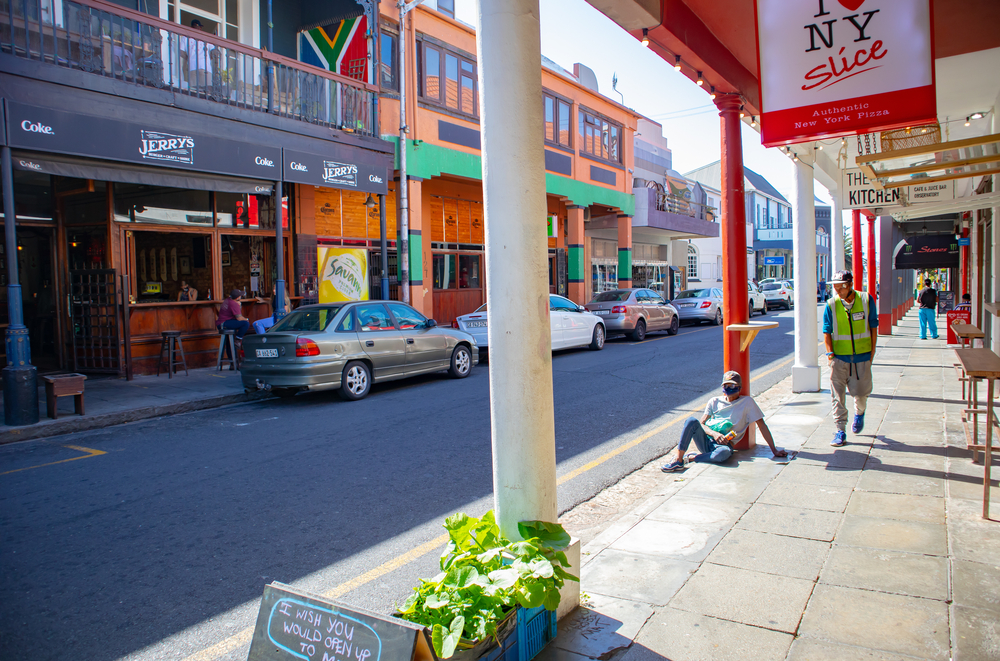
112	401
876	550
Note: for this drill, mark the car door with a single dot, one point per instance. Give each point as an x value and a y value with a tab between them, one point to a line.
656	311
577	328
426	348
557	321
381	341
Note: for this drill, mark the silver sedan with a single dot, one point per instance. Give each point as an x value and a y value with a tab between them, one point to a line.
635	312
700	305
350	346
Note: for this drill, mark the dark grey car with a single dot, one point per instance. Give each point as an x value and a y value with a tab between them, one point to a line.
350	346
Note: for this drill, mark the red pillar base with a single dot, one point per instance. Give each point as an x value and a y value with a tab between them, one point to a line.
885	324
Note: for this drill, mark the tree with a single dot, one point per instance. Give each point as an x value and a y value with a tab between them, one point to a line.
848	248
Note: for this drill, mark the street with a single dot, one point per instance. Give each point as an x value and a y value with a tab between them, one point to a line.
154	540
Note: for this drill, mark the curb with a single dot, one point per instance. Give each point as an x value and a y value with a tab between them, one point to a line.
73	423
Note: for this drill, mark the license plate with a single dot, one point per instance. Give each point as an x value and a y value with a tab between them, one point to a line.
601	311
687	305
475	324
267	353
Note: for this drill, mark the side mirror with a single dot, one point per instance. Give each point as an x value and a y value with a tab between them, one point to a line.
580	308
431	323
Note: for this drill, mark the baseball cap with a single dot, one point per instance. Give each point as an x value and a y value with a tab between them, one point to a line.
732	377
841	277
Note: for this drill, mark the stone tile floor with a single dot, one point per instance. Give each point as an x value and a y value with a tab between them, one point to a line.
876	550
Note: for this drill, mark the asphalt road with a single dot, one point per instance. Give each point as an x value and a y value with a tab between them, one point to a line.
160	547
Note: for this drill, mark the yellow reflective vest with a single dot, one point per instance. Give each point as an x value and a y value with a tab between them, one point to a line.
851	334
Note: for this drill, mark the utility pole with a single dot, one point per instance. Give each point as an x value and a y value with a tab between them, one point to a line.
404	202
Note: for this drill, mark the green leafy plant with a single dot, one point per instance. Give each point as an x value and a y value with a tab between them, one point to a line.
484	575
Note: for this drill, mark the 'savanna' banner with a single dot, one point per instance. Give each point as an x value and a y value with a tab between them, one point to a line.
343	274
839	67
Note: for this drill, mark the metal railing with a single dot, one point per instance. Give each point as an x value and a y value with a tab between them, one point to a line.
100	38
680	205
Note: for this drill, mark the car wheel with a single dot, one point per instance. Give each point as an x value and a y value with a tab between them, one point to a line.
791	303
284	393
356	381
598	342
675	326
639	334
763	309
461	362
718	317
750	308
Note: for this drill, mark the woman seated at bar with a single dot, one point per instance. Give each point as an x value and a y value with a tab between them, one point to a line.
261	325
187	292
231	316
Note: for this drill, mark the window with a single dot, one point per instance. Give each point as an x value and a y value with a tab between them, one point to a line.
692	261
373	317
446	7
309	319
407	317
557	121
457	271
600	137
347	323
561	304
457	73
390	65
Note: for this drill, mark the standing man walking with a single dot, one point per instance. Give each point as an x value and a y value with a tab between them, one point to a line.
850	328
928	310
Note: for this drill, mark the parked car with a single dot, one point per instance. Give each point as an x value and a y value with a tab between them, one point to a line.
777	294
572	326
757	301
763	282
700	305
635	312
350	346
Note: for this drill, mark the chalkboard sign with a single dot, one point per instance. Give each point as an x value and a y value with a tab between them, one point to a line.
946	301
293	624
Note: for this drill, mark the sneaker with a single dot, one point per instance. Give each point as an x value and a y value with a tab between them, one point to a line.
839	438
859	423
673	467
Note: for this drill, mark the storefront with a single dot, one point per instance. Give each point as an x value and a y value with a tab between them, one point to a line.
133	231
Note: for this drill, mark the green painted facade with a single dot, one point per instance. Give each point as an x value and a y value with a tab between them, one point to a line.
416	257
576	269
426	161
624	264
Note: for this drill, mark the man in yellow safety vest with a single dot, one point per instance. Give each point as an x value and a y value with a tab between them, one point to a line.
850	329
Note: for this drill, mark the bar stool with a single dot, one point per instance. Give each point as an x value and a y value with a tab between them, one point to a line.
227	336
171	345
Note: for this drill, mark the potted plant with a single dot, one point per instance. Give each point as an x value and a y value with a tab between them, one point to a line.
471	605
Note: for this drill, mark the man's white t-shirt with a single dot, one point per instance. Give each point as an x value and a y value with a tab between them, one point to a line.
198	53
742	413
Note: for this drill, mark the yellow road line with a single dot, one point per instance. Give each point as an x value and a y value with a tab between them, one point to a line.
90	452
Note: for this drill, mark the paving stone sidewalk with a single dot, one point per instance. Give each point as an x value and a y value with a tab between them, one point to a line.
113	401
876	550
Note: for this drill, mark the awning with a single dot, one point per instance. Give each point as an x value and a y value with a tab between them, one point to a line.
933	251
79	168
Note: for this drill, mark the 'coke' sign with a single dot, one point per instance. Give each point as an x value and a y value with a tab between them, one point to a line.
837	67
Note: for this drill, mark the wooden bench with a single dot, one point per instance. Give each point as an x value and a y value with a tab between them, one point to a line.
63	385
980	364
965	333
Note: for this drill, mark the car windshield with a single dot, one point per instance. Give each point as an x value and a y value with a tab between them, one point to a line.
771	286
610	296
695	293
307	319
481	308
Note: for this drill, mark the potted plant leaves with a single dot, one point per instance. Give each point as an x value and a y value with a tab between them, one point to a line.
470	606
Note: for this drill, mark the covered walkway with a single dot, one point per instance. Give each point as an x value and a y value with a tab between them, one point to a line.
876	550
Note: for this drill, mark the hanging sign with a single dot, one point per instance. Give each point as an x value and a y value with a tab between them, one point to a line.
343	274
837	67
859	192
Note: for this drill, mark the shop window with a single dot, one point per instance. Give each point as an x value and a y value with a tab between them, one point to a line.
248	264
154	204
468	271
247	211
166	260
692	271
557	120
445	276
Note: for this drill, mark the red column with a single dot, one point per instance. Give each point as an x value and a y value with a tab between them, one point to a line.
857	266
871	255
734	237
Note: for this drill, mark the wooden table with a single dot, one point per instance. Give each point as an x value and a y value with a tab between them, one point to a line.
748	332
965	332
980	364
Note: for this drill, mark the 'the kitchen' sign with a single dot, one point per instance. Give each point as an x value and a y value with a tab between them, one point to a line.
838	67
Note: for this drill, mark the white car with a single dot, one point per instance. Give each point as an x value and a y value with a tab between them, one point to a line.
758	303
776	293
572	326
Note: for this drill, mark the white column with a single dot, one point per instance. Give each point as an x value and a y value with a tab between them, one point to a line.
805	372
522	424
836	235
974	274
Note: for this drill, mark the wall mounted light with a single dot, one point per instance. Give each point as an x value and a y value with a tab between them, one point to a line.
370	202
977	115
677	62
753	120
711	92
701	80
645	37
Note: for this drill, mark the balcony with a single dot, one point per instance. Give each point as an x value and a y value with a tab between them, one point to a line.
674	214
103	39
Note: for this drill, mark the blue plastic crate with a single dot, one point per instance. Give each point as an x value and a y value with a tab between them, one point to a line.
535	628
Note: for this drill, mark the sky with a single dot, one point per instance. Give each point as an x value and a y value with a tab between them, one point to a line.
573	31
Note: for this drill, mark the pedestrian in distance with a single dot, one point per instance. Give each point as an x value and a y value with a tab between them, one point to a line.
928	310
850	330
722	425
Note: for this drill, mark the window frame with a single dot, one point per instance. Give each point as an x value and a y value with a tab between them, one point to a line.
556	100
450	13
390	31
582	114
692	252
440	101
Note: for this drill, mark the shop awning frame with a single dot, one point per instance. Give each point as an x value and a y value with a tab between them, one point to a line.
958	159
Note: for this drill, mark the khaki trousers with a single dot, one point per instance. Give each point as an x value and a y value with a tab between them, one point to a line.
855	378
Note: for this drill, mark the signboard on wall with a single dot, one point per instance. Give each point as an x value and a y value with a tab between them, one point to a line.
837	67
774	261
859	192
343	274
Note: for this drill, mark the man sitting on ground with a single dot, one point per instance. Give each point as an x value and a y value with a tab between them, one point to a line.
731	414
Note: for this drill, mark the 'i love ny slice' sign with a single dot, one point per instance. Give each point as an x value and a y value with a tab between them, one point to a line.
839	67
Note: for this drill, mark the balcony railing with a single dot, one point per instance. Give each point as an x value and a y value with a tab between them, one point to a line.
684	207
110	41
